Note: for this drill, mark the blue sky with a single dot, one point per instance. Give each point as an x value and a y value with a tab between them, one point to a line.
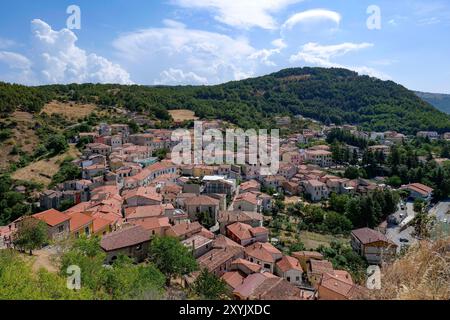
214	41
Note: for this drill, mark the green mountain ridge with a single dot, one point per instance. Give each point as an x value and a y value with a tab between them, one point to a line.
440	101
329	95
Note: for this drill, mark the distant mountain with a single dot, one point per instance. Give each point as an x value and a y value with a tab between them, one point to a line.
438	100
333	95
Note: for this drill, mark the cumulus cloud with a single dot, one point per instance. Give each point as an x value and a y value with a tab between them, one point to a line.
183	54
55	58
241	13
323	55
313	15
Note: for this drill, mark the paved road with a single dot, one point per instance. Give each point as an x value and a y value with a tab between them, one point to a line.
394	232
442	211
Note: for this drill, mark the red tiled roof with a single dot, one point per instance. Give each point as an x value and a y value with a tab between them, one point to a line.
124	238
201	201
262	251
289	263
367	235
233	278
52	217
79	220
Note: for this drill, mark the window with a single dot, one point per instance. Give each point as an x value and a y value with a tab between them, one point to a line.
266	266
288	279
87	230
297	278
138	248
60	229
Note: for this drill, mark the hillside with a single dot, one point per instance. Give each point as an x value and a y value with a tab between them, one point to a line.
438	100
329	95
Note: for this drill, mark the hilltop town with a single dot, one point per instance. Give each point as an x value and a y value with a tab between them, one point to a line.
343	199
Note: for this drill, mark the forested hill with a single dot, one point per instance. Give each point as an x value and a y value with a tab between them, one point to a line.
329	95
438	100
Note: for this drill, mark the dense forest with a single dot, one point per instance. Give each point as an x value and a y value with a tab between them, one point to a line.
330	95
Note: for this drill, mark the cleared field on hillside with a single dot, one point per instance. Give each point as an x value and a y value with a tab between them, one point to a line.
313	240
70	111
183	115
42	171
23	135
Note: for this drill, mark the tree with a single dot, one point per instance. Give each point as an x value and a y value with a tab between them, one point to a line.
394	181
352	173
122	280
171	257
56	144
418	205
19	282
209	286
31	234
296	247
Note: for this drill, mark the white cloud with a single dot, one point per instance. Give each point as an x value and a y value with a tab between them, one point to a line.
321	55
55	58
241	13
189	55
313	15
15	60
177	76
264	55
6	43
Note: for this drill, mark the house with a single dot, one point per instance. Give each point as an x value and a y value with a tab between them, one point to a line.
50	199
322	158
385	150
218	260
265	286
245	234
81	224
233	279
226	218
274	182
304	257
316	269
148	174
245	267
142	196
97	148
338	286
219	184
58	223
432	135
132	241
199	244
419	191
248	186
248	201
373	245
316	190
289	268
287	170
292	157
185	230
202	204
156	226
92	171
263	254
